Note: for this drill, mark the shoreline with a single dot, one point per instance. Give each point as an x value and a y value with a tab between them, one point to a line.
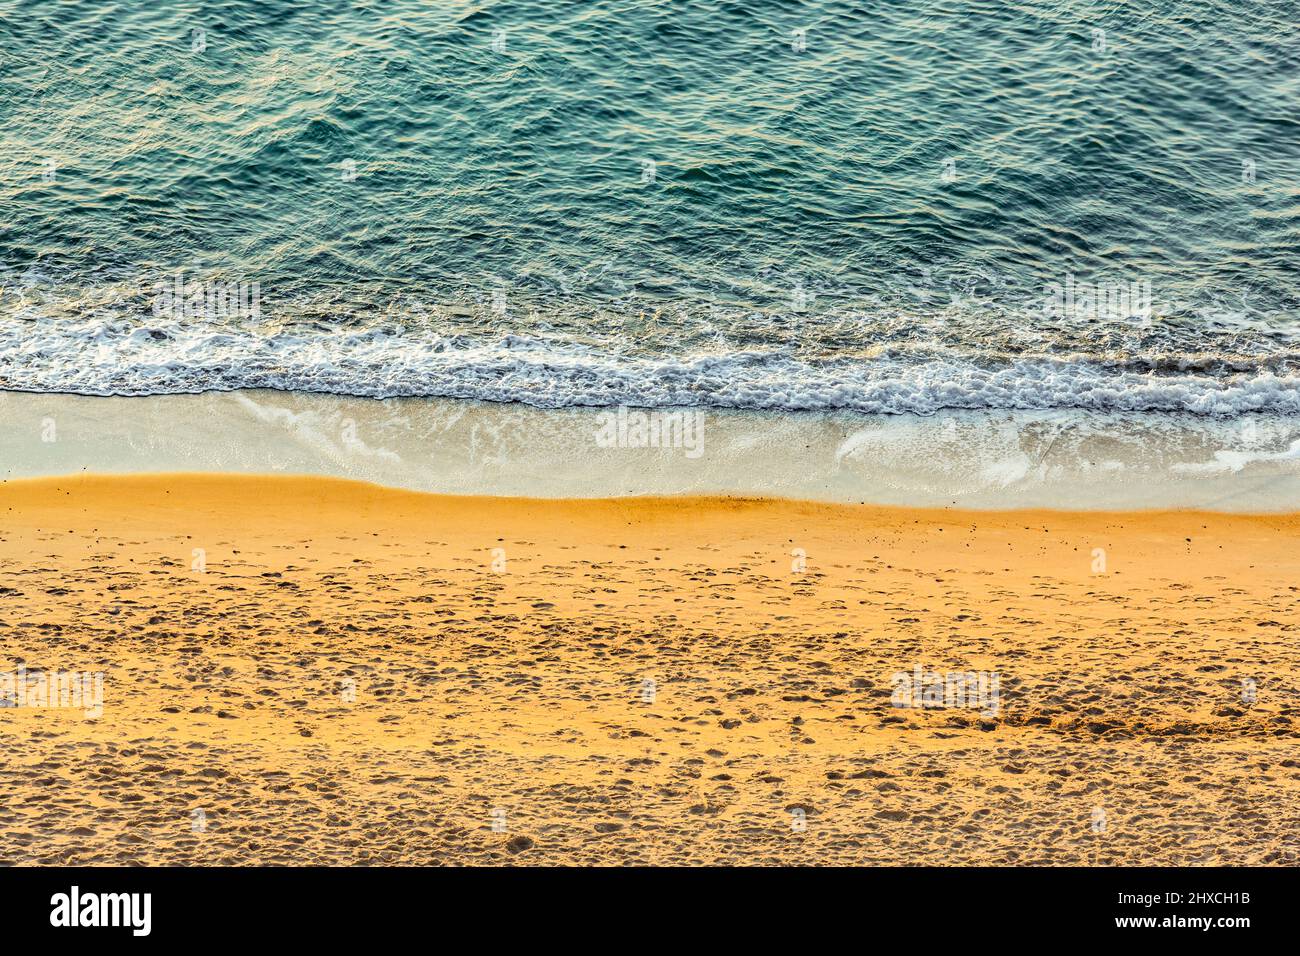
988	461
29	488
355	675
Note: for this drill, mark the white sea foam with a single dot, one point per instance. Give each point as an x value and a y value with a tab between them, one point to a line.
1234	460
93	356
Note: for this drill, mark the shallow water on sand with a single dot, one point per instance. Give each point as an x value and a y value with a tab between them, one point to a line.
965	459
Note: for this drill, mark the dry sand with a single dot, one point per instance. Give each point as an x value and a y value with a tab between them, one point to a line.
515	699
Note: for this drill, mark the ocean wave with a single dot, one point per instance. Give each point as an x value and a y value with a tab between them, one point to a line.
93	356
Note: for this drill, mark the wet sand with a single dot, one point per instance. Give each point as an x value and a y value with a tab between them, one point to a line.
348	674
979	459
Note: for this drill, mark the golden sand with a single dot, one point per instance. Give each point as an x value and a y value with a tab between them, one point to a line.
349	674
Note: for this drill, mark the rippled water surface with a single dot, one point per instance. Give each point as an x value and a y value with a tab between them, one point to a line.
771	205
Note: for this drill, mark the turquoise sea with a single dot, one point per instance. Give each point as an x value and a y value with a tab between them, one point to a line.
879	207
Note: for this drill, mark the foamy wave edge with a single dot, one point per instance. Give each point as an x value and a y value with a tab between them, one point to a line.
366	364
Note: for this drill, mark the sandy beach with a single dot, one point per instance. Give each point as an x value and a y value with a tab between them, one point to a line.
311	670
